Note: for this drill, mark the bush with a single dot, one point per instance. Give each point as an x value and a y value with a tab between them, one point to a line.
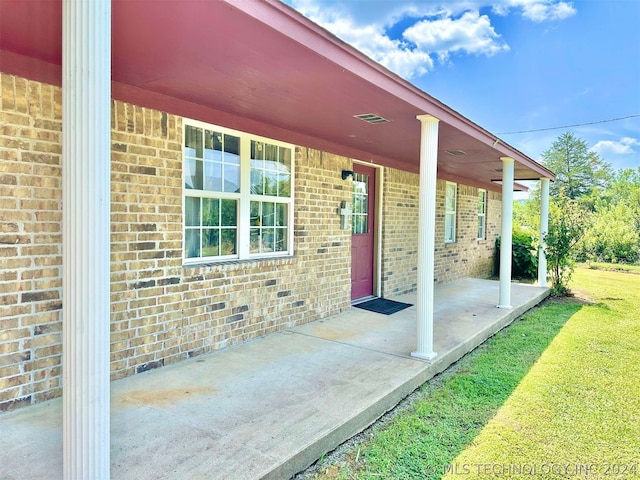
567	225
524	260
612	236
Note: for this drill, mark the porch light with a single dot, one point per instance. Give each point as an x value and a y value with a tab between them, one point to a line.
346	174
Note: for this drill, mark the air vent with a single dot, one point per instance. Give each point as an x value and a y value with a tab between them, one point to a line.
457	153
371	118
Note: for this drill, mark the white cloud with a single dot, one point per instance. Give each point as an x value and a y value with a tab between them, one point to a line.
541	11
471	33
440	28
622	147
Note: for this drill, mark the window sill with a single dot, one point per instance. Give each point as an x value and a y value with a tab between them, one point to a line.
212	264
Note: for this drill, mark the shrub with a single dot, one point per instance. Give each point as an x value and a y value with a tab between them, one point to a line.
524	261
612	236
567	225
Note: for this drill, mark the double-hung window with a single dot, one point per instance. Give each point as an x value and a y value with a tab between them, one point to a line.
451	190
482	214
238	195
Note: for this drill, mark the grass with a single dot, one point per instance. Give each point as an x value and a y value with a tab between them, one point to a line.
617	267
557	391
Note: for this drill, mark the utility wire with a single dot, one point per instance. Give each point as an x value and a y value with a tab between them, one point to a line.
570	126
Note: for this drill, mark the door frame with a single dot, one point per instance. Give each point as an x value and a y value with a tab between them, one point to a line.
377	227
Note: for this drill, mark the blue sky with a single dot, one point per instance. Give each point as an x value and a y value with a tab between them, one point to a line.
510	65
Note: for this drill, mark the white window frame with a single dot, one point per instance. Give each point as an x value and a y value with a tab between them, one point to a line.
450	214
244	198
482	214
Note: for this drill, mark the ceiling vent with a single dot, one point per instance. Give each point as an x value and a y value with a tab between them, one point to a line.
371	118
457	153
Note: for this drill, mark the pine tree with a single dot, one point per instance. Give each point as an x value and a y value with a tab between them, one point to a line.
578	170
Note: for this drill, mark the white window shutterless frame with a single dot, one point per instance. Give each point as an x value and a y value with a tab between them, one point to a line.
451	193
238	192
482	214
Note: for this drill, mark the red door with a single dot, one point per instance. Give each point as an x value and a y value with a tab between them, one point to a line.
362	231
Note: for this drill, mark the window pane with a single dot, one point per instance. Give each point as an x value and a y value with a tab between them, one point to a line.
212	145
229	213
281	240
256	182
451	198
210	242
255	213
359	224
232	149
228	244
284	186
449	227
232	178
193	174
285	158
482	202
192	211
192	141
281	214
270	184
268	214
213	176
210	212
255	240
271	153
257	150
192	243
268	239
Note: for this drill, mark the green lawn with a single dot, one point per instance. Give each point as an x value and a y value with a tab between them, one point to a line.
556	395
619	267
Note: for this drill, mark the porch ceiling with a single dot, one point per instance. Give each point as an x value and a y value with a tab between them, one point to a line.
260	66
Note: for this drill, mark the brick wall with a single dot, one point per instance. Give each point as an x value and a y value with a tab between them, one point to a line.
30	241
467	257
399	232
162	311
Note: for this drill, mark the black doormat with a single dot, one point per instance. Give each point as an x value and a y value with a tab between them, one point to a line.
382	305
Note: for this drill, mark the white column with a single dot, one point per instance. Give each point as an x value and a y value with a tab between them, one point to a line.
86	92
426	236
507	234
544	229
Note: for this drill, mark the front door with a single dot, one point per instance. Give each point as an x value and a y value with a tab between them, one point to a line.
362	231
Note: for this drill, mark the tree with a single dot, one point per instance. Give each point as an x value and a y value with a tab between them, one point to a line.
578	170
567	225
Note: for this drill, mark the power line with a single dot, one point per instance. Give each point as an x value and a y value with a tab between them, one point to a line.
570	126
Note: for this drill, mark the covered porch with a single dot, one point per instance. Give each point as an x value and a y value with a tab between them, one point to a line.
270	407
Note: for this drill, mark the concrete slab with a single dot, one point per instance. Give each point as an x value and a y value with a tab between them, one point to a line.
268	408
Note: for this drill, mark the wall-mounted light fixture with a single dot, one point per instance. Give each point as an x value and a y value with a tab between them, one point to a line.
346	174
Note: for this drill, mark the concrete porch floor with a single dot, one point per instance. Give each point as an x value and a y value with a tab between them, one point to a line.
270	407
